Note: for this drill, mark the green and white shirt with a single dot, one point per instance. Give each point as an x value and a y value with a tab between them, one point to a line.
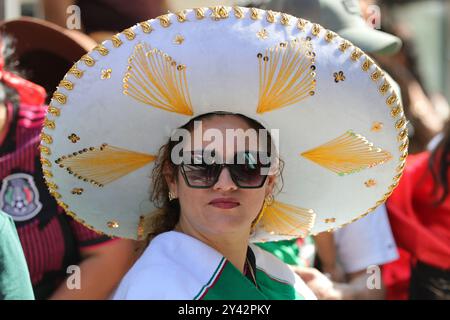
176	266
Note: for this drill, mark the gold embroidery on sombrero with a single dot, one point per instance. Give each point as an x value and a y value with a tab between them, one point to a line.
284	219
285	77
155	79
347	154
104	164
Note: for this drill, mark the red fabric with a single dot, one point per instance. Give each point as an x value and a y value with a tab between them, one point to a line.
29	92
420	228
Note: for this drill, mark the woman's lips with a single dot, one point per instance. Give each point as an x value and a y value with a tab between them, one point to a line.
224	203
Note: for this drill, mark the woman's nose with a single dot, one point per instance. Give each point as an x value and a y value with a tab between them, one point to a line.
225	182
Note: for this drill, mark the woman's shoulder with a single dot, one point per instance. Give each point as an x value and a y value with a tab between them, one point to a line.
174	266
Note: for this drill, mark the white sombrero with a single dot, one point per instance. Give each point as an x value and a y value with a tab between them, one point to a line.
342	128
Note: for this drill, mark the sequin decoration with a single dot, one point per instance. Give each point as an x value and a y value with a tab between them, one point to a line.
339	76
106	74
262	34
179	39
73	138
377	126
370	183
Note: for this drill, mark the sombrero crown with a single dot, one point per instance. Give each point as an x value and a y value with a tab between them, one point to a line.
342	128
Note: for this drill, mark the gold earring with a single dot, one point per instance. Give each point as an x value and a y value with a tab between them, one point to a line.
267	202
171	196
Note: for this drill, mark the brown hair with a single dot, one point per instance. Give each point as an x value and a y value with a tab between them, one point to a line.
169	211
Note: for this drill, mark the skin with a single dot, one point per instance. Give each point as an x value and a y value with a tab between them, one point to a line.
225	229
101	269
335	284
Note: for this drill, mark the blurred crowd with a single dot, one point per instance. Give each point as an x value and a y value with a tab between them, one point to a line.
401	251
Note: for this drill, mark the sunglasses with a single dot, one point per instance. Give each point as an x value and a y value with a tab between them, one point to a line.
248	173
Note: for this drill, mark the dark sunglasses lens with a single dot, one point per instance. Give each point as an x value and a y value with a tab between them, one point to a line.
249	171
248	175
201	175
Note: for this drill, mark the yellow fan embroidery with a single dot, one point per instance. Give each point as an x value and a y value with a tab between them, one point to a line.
347	154
284	219
155	79
286	75
103	165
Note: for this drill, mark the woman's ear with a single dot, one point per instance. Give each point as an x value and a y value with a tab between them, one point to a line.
169	174
271	180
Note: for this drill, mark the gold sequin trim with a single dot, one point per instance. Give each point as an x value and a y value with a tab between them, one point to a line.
329	36
199	13
254	14
315	30
396	111
181	16
238	13
101	49
301	24
403	134
46	162
285	19
46	138
76	72
219	12
55	195
49	124
54	111
366	65
61	98
51	185
384	88
146	27
164	21
270	16
400	123
376	75
403	146
88	60
344	46
329	220
66	84
129	34
392	99
356	54
45	150
116	41
47	174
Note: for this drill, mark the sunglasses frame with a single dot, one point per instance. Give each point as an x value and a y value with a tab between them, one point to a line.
183	173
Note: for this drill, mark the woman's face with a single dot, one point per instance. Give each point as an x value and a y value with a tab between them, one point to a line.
224	208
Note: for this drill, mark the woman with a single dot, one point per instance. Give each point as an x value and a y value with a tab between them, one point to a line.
419	209
210	103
